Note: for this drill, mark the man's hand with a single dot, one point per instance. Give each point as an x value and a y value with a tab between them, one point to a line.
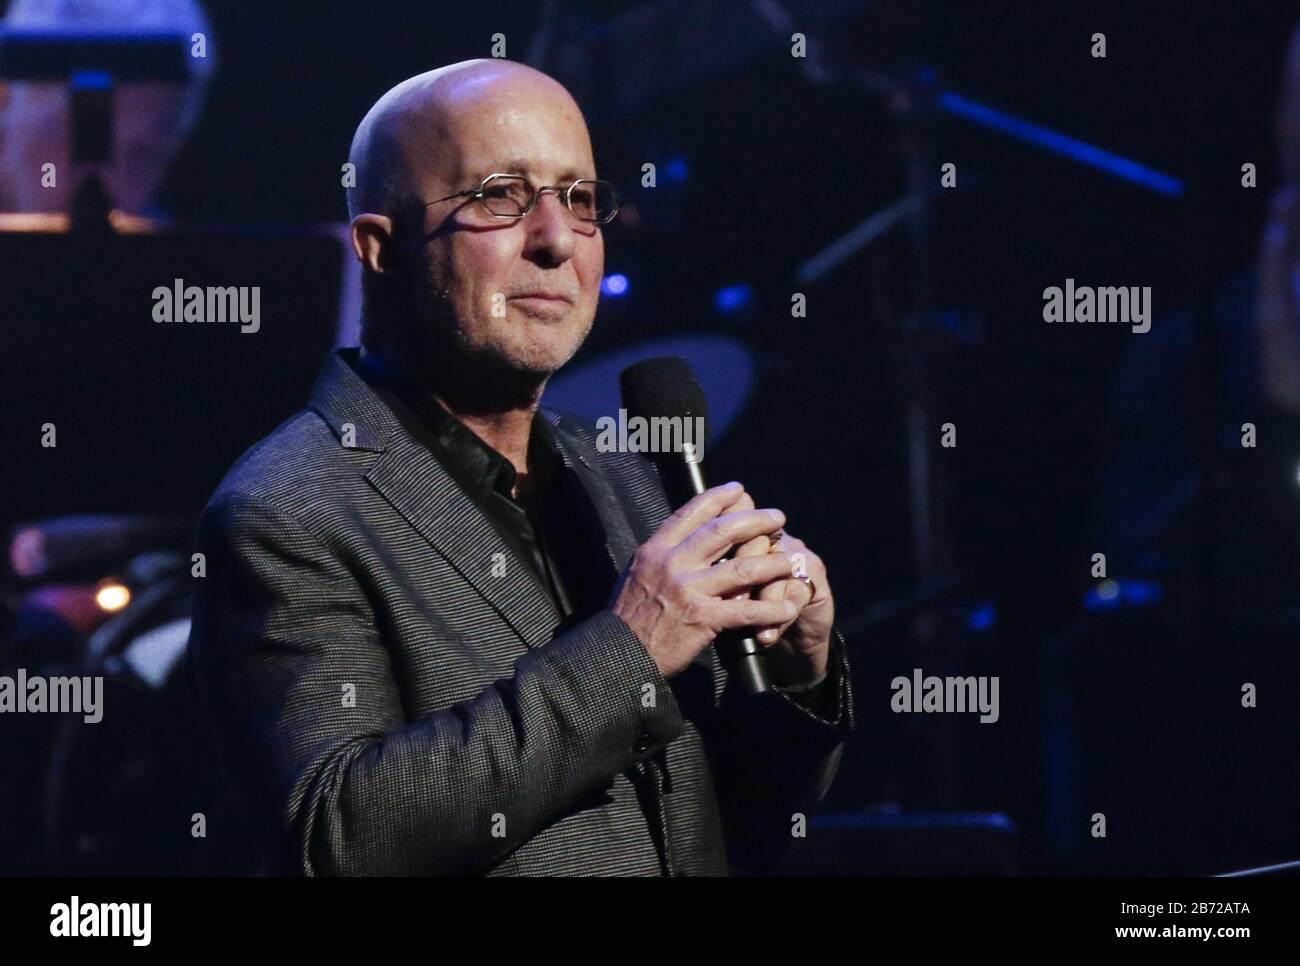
678	594
799	650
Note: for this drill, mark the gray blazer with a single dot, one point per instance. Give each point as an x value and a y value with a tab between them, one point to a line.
395	694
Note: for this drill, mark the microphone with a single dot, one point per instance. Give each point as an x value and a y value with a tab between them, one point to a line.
666	388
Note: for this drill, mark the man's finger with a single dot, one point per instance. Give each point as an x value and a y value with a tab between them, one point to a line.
756	545
697	511
792	590
728	577
751	613
717	536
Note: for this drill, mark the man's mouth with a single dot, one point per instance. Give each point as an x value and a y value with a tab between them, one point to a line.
543	306
552	297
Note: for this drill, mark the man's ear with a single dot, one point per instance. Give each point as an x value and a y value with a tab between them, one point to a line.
372	241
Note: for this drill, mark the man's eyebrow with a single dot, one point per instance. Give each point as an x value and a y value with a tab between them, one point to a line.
521	166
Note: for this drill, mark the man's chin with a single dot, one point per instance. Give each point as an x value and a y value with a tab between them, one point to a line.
533	362
546	346
539	364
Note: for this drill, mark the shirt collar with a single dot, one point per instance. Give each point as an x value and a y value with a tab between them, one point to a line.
475	465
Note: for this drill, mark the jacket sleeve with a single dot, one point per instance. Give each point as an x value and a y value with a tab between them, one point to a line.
774	757
298	686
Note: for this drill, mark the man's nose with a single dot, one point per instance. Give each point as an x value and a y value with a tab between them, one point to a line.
550	230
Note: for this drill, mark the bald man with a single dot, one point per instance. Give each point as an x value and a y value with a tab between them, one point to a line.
440	631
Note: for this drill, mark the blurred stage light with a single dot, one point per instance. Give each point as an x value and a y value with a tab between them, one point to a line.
734	298
1112	594
112	596
1114	164
614	285
27	552
982	617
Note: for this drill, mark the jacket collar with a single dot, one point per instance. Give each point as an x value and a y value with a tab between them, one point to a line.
349	407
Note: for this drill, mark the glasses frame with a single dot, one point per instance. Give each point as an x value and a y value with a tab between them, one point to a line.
564	193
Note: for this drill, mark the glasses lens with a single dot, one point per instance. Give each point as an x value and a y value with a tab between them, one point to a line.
593	200
507	195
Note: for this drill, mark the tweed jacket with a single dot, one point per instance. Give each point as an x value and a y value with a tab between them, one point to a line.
395	694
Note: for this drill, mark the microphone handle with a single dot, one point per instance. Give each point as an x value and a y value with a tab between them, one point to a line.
738	651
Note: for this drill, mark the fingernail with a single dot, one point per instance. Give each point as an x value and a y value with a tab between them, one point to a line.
733	485
768	636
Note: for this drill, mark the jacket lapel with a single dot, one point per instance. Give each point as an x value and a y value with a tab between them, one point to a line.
424	493
580	458
419	488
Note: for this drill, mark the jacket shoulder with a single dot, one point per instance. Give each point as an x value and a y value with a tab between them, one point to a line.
300	457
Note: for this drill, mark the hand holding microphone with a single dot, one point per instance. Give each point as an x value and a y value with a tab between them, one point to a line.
735	543
682	591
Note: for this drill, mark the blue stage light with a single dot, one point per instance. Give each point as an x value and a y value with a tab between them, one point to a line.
733	298
1061	144
614	285
1123	592
92	80
983	617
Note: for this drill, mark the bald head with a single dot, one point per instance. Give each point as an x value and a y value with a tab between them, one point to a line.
447	288
414	134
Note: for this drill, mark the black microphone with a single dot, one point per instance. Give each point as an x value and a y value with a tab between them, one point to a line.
666	388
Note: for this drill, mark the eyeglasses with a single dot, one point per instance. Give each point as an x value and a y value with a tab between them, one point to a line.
513	196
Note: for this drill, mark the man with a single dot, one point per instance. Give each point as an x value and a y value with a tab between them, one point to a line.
439	631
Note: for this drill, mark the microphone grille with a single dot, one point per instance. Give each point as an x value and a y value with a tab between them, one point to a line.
664	386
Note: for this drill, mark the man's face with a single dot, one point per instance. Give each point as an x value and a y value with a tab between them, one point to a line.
521	292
